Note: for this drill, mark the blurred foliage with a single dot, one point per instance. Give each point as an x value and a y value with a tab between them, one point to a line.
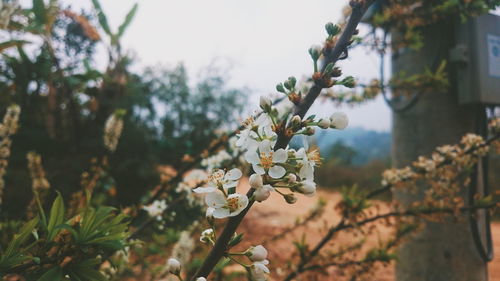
367	175
409	16
50	67
52	246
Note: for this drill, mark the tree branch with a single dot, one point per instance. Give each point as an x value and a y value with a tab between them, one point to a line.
358	9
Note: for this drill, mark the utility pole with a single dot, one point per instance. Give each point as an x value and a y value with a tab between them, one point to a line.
441	251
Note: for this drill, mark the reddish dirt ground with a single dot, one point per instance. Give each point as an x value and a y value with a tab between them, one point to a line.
268	219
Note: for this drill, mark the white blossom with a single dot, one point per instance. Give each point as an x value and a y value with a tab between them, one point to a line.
174	266
156	208
226	207
339	120
308	188
220	179
257	253
201	279
308	162
259	271
266	160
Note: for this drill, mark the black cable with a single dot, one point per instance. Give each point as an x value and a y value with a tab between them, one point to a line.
484	251
391	102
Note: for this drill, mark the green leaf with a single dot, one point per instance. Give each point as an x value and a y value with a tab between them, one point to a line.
54	274
12	43
56	217
40	12
103	21
127	21
21	237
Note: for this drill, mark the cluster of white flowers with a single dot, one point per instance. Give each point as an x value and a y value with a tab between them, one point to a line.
283	170
8	128
113	130
395	176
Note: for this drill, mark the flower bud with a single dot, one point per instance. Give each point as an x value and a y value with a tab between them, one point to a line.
329	68
339	120
290	198
210	215
348	82
293	81
280	88
257	253
291	178
315	52
332	29
296	121
201	279
324	123
206	235
265	103
308	188
255	181
174	266
287	85
263	193
309	131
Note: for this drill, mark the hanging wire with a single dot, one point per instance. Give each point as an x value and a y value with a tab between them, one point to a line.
486	252
392	103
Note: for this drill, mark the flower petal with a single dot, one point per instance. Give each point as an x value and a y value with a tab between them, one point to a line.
221	213
306	172
252	157
230	184
280	156
277	172
265	146
207	189
233	174
215	199
258	169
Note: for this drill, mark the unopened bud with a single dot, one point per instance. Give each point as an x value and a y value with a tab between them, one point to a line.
296	121
309	131
280	88
255	181
174	266
293	81
332	29
339	120
265	103
315	52
348	82
290	198
324	123
291	178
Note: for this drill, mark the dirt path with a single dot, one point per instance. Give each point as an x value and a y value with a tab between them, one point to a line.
275	215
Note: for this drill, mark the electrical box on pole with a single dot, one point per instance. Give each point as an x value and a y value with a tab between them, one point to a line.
477	56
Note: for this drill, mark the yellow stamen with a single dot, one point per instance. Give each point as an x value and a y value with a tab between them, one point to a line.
232	204
266	160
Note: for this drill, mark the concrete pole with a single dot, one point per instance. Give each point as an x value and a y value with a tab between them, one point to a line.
443	251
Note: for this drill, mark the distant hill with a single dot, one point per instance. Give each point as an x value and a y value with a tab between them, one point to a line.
367	144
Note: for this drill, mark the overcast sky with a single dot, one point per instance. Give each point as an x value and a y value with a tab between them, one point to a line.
261	41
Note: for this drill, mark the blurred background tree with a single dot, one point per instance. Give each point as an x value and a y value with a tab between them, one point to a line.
50	66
